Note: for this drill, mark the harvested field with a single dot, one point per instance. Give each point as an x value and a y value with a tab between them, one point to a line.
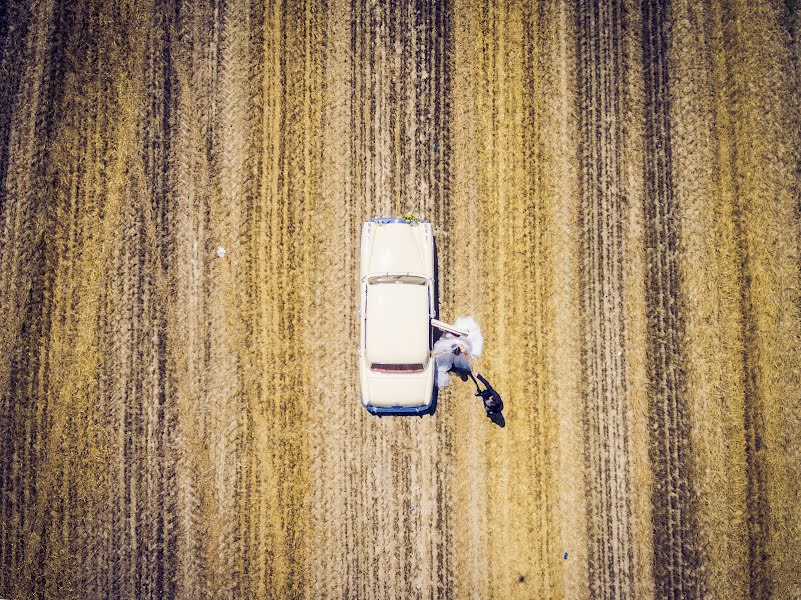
615	189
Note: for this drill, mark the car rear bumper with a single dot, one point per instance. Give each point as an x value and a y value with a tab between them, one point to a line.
398	410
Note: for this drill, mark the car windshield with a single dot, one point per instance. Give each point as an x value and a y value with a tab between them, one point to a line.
410	279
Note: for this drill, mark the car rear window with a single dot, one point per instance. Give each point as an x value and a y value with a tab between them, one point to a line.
396	367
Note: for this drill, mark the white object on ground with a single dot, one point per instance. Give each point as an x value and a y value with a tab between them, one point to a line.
220	251
444	357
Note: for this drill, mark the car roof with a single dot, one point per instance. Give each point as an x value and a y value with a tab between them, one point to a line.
397	323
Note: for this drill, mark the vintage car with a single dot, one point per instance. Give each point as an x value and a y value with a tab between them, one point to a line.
397	303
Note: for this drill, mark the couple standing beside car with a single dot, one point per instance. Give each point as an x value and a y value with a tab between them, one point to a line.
460	360
454	355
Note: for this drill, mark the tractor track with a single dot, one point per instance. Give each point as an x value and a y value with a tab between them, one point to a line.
601	55
614	192
676	553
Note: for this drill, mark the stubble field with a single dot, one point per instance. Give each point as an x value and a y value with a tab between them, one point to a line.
615	190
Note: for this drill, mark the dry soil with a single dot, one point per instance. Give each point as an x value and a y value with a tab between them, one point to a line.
615	189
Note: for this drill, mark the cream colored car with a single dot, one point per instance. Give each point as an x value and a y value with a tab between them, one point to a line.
397	303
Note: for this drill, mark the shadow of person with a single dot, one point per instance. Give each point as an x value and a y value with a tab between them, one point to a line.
498	419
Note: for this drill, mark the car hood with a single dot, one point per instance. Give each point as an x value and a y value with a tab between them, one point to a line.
397	248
